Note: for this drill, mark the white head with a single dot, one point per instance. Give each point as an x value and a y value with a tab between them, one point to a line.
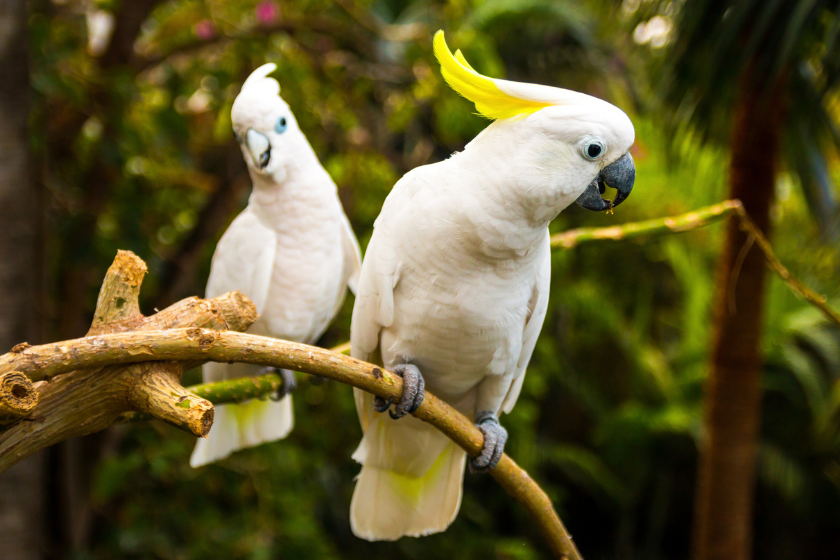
575	142
266	129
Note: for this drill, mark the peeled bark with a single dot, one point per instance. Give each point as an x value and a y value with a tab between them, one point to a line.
726	477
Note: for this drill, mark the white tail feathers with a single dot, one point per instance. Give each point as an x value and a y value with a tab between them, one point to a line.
411	480
238	426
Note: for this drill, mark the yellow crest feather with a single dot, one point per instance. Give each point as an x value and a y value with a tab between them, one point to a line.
490	101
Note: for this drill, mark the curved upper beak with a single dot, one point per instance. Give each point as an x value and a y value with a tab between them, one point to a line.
260	148
619	175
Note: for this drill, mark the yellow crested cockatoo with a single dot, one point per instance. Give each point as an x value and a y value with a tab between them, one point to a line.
291	251
454	286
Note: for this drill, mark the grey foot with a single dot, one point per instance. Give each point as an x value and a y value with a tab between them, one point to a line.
414	389
289	382
495	437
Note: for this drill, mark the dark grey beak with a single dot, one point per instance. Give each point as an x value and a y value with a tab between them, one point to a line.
619	175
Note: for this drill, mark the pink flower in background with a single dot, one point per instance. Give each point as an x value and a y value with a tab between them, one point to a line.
205	29
267	12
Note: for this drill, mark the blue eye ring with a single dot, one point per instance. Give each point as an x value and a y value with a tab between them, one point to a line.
281	125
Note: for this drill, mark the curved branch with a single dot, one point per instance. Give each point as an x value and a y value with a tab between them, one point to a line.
225	346
693	220
657	226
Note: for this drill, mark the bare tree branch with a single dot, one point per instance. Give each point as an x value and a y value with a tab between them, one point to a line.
693	220
195	344
86	400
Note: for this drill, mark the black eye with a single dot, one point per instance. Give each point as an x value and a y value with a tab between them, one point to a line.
280	127
593	150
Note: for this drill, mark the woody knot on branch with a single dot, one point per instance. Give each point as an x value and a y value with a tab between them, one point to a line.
61	404
17	397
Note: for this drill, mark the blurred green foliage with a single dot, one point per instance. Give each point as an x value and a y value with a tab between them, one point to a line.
135	152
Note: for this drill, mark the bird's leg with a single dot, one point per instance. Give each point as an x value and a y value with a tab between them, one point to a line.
495	437
414	389
289	382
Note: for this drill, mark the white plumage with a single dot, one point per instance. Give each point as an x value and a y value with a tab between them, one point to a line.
291	251
455	281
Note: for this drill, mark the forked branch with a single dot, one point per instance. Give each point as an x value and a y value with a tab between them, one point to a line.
83	399
197	345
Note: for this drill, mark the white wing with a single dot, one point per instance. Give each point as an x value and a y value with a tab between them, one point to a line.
244	260
533	326
352	255
374	307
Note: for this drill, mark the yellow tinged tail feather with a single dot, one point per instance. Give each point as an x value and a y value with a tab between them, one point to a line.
239	426
388	505
411	480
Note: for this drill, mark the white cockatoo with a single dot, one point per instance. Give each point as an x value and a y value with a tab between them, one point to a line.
291	251
455	283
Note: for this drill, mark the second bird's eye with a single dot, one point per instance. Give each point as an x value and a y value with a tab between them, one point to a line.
593	150
281	125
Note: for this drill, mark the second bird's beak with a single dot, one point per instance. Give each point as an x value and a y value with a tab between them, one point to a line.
260	148
619	175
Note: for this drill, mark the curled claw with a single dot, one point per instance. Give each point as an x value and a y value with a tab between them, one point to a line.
380	404
414	390
495	437
288	386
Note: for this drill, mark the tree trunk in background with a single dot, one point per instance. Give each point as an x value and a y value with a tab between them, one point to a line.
72	463
726	478
21	488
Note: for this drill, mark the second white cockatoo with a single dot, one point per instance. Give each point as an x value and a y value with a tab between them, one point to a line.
291	251
454	286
